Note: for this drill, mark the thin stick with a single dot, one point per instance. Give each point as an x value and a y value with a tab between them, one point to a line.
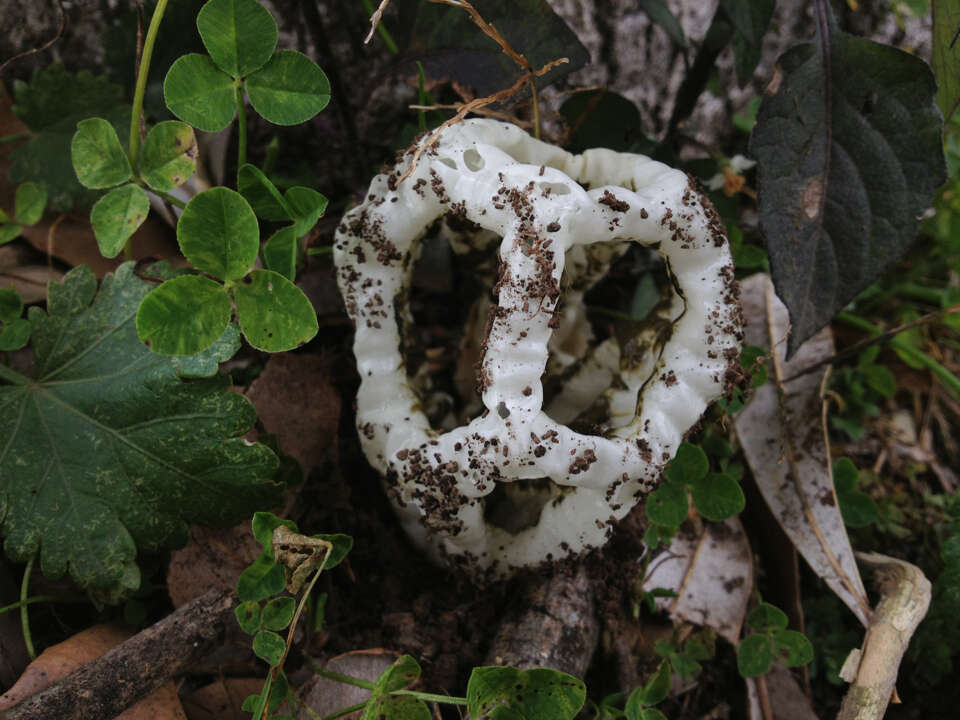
375	19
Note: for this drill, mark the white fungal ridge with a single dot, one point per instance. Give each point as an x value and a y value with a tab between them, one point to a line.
532	195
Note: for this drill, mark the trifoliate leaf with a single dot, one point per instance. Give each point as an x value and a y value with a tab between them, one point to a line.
539	694
169	155
109	450
667	505
766	617
273	313
198	92
98	157
248	616
117	216
218	232
184	315
754	655
269	646
278	613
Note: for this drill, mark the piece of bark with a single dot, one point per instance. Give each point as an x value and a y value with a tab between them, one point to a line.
553	624
906	597
122	676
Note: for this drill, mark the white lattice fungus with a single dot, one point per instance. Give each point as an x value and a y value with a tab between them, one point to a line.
534	196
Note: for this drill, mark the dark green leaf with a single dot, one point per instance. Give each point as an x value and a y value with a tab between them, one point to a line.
793	648
10	232
197	92
689	465
108	450
842	180
404	672
451	47
660	13
946	54
278	613
248	616
307	206
766	617
718	497
29	203
240	35
98	158
263	579
602	118
116	217
11	305
269	647
857	507
649	714
655	691
263	196
750	19
218	232
14	335
667	505
539	694
183	316
845	475
288	90
273	313
754	656
40	104
279	692
263	525
169	155
880	379
342	545
281	251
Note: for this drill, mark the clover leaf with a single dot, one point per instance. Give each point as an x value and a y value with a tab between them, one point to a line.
288	90
240	35
538	694
116	216
112	449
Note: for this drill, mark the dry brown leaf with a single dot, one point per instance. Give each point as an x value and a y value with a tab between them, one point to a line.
325	696
60	660
213	559
221	700
784	696
712	573
297	402
783	436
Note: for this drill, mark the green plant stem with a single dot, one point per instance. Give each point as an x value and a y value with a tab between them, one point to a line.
431	697
14	137
12	376
339	677
949	380
241	127
29	601
345	711
166	197
24	617
142	73
325	250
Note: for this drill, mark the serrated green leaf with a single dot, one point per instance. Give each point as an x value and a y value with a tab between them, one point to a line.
116	216
278	613
667	505
396	707
843	180
280	252
766	617
269	647
183	316
199	93
248	616
262	579
30	201
263	525
15	335
219	233
689	465
240	35
653	692
539	694
169	155
793	648
108	451
273	313
307	206
262	194
718	497
754	656
40	103
288	90
97	155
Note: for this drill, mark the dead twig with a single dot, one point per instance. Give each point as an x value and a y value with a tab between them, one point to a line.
34	51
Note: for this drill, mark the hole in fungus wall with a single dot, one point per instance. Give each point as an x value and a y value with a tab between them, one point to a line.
516	506
473	159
